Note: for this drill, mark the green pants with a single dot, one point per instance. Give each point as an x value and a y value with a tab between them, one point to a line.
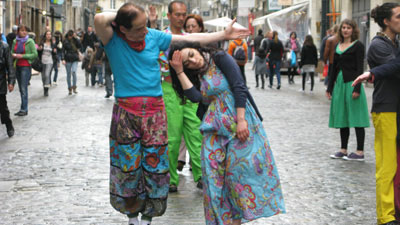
182	120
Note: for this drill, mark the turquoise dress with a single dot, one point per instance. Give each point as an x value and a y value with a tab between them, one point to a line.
346	111
241	179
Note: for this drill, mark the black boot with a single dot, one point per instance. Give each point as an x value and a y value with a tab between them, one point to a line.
257	80
10	129
46	91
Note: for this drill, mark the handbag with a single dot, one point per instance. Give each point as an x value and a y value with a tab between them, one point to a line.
293	59
325	71
37	64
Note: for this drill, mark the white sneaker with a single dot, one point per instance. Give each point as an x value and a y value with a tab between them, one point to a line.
301	90
55	83
133	221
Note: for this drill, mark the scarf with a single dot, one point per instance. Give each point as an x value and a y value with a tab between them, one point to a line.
135	45
21	43
294	45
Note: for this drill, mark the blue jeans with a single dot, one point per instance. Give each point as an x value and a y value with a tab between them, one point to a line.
109	83
23	76
273	70
71	69
99	70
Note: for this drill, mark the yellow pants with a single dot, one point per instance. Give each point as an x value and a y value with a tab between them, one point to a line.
386	164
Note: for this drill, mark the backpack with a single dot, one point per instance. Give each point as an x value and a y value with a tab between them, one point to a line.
239	54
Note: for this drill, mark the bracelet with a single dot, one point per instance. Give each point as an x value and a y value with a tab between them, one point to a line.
179	73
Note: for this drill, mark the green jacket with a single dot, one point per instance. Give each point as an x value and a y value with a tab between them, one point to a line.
30	50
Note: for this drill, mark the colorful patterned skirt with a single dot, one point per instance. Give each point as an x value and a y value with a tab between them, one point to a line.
241	179
139	171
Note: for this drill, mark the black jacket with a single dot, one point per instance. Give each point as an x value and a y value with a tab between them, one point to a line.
69	53
257	42
7	71
89	40
351	63
386	94
275	50
309	55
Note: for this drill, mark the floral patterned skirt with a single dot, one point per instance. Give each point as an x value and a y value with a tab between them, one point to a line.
139	170
240	179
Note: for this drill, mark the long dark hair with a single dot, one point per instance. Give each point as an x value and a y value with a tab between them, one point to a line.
308	41
385	11
43	40
193	75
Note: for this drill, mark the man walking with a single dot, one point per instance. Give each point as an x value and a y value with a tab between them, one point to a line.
7	81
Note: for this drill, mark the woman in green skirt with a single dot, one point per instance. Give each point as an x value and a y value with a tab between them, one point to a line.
348	104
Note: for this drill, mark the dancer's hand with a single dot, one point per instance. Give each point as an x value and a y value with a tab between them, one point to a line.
242	131
361	78
176	62
233	33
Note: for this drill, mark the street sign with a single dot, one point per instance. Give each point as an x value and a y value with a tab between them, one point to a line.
76	3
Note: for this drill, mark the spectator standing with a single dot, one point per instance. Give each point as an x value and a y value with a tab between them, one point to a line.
348	105
292	48
309	61
329	52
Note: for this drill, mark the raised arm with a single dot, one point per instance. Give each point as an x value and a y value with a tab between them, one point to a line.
230	33
102	24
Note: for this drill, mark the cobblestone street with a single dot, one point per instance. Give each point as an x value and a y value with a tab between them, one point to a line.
55	170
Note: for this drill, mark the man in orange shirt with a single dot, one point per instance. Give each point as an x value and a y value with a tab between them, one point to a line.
238	50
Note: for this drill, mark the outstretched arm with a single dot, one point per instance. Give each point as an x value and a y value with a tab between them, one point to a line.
231	33
102	24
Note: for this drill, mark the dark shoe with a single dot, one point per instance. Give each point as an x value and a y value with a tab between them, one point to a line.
200	184
74	89
338	155
279	87
20	113
354	157
173	188
46	91
180	165
107	96
69	91
10	130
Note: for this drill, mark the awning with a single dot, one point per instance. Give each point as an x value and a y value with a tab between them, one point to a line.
261	20
221	22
